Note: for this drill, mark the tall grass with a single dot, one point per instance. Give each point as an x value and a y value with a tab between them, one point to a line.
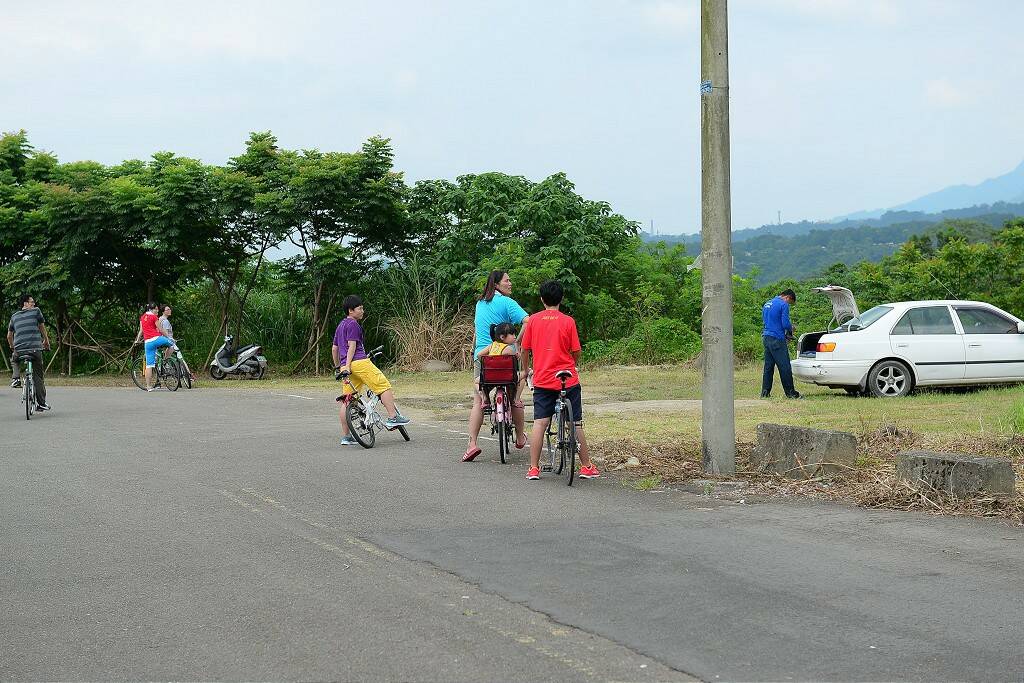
425	323
1017	414
273	318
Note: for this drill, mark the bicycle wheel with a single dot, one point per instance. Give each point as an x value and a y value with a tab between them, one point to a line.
169	375
567	441
185	373
139	372
549	446
28	393
501	431
359	424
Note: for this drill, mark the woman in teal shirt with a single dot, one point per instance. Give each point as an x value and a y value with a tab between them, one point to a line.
495	306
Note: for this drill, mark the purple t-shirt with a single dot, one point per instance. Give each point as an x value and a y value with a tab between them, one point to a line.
349	330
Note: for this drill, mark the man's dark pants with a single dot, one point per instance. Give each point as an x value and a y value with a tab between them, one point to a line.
37	372
776	353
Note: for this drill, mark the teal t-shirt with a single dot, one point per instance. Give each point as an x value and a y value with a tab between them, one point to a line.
500	309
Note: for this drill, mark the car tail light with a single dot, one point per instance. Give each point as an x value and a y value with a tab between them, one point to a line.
827	347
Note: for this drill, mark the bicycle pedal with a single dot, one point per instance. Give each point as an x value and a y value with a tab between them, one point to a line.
547	468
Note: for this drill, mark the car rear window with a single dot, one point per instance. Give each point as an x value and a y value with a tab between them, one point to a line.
867	318
925	320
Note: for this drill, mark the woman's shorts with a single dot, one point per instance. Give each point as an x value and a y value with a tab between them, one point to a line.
364	372
544	402
152	345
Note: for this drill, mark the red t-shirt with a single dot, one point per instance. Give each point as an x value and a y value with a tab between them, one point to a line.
551	337
149	330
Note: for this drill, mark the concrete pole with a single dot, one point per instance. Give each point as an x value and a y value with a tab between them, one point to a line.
718	420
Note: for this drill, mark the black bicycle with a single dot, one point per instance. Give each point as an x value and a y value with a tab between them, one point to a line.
28	391
560	437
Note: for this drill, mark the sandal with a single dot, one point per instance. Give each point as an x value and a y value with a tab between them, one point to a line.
525	444
470	454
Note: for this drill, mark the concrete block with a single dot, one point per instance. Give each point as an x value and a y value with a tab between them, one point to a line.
801	452
963	476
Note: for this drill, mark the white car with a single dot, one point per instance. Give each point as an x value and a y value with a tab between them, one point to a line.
890	349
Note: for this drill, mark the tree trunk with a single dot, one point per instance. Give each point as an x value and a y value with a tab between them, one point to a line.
225	296
313	341
249	287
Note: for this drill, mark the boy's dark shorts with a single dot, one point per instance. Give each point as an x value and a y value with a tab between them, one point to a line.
544	402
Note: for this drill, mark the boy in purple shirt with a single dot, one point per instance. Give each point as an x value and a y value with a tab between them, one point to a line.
348	346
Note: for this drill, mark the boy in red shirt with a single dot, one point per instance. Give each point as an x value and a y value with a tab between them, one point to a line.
554	342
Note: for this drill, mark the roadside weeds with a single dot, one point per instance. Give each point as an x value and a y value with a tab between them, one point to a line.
872	483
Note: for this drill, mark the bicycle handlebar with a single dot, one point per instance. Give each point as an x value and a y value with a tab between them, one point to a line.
342	374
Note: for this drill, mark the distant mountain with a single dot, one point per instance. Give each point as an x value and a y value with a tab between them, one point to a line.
1004	194
889	218
773	257
1005	188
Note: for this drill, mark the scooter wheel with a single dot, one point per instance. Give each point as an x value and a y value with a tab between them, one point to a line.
216	372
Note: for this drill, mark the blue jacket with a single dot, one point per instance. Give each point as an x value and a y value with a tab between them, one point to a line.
775	315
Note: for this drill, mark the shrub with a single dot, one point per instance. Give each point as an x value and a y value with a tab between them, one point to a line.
659	340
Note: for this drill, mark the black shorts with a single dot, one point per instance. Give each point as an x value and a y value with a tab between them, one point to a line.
544	402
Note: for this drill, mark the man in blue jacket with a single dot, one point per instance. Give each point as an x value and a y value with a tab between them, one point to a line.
778	330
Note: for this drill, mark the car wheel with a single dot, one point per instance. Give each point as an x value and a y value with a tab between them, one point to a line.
890	379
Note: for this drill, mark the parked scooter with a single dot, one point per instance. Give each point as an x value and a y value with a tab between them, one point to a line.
244	361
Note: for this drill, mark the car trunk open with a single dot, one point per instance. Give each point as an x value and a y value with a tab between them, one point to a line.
844	308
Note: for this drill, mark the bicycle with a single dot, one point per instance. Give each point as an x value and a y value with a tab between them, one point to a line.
364	413
28	391
166	371
565	446
184	371
500	373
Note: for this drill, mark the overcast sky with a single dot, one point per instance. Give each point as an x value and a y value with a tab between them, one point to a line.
837	105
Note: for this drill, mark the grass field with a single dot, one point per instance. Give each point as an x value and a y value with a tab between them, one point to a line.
985	412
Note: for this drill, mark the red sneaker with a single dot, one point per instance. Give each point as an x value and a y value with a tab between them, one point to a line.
589	472
533	473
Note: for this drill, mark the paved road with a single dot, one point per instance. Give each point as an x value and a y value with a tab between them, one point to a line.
219	534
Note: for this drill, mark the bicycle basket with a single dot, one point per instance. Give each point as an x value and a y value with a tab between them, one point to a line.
499	370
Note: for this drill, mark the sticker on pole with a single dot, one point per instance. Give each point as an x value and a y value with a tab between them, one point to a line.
705	88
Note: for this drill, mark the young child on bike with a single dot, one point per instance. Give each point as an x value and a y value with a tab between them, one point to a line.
552	339
504	344
348	340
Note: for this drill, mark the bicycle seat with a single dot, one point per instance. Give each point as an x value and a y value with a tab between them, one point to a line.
563	374
25	356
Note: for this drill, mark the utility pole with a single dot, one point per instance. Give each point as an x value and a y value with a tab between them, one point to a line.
718	419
